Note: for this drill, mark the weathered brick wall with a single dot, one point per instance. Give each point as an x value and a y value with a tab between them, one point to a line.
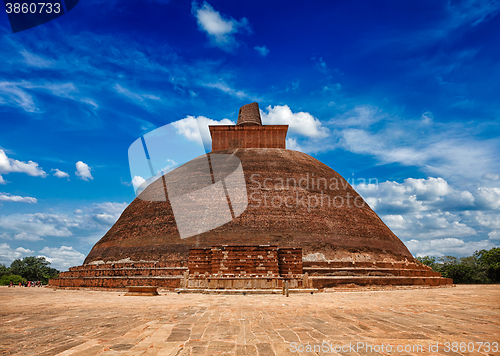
290	261
115	282
228	137
245	260
261	260
200	261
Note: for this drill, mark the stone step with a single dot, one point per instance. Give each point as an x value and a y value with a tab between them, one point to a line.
321	282
246	291
369	271
169	282
341	264
125	272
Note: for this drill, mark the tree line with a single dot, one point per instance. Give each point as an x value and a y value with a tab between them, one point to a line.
482	267
27	269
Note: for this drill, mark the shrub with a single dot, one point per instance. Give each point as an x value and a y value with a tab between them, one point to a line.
15	279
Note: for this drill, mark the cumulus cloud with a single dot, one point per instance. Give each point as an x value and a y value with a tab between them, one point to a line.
88	224
494	235
491	176
39	224
106	213
195	129
220	30
63	257
2	181
301	123
292	144
10	165
83	171
26	236
60	174
447	246
435	225
434	216
487	198
137	181
7	254
16	198
262	50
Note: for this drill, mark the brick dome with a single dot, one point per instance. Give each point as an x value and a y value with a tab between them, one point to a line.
342	227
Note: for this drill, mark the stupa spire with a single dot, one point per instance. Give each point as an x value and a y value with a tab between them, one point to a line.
249	115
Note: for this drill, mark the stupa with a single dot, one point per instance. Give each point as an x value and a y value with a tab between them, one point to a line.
302	223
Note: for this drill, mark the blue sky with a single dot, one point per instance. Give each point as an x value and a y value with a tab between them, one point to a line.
404	92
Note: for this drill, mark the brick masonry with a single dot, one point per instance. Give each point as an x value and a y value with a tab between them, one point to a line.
226	137
248	267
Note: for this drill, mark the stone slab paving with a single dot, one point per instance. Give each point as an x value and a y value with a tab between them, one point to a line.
46	321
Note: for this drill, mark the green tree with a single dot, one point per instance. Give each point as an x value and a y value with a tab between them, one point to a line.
4	270
489	260
6	279
33	269
448	260
428	261
482	267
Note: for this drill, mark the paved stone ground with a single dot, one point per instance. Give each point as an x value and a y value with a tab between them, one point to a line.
43	321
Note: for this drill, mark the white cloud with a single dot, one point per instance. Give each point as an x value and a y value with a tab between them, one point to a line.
195	129
291	144
60	174
494	235
263	50
426	194
471	12
16	198
446	150
39	224
92	220
141	99
63	257
447	246
9	165
221	31
83	171
137	182
427	117
321	64
222	86
361	116
491	176
434	213
301	123
34	60
13	94
7	254
26	236
2	181
17	95
107	213
488	198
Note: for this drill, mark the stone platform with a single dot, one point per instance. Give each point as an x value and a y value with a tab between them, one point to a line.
262	267
46	321
337	273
